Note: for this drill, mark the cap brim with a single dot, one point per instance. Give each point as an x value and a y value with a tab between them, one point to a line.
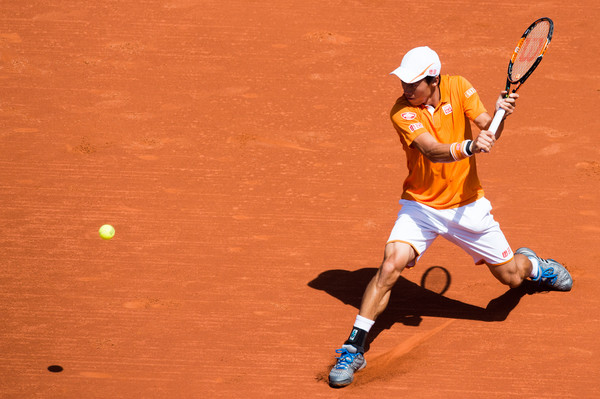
408	76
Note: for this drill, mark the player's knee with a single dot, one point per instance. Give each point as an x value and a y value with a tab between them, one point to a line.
389	268
389	272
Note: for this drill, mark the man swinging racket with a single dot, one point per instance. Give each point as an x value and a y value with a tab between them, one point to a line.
442	195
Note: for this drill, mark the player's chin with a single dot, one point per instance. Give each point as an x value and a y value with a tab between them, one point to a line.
414	102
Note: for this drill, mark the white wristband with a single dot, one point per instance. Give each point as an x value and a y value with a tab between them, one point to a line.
461	150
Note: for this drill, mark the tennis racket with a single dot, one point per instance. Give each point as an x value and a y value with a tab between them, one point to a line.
526	57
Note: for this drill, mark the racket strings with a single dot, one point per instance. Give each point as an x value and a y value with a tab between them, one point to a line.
531	47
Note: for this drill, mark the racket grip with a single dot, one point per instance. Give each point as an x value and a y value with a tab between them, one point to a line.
497	120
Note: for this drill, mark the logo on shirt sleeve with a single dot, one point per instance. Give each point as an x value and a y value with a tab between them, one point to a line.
415	126
470	92
409	116
447	109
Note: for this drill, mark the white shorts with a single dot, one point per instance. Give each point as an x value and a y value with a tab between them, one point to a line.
472	227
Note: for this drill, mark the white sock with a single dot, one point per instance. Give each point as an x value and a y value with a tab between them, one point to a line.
535	269
363	323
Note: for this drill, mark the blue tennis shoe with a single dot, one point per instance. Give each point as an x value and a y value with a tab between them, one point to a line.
552	274
350	360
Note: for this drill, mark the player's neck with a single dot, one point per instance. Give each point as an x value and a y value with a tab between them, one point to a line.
434	98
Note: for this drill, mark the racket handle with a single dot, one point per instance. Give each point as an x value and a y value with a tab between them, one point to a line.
497	120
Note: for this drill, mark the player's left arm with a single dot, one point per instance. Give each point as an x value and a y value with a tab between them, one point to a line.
484	120
486	139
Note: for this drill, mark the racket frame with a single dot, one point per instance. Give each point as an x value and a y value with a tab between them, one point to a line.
518	82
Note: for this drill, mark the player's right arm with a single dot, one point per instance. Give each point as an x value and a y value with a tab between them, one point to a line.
438	152
432	149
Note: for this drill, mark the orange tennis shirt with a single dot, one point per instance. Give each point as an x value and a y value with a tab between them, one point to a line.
440	185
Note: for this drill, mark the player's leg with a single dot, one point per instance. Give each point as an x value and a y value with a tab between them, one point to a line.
375	299
377	294
480	235
413	232
546	272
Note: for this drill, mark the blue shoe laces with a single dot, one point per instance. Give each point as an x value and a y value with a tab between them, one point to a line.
345	360
548	275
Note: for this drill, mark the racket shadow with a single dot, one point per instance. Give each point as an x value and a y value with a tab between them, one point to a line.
409	302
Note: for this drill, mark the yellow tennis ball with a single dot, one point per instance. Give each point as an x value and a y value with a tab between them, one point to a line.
107	232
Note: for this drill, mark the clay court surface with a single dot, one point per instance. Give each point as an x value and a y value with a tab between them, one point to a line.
244	153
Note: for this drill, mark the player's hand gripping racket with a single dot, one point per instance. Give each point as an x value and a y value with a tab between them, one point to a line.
526	57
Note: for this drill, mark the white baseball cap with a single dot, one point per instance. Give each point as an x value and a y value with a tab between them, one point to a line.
417	64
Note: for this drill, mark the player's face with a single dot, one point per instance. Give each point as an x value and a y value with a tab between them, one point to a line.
420	92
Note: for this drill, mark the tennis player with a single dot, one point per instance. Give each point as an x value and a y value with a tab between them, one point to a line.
442	195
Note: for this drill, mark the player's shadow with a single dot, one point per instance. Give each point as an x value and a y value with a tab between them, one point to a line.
409	302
